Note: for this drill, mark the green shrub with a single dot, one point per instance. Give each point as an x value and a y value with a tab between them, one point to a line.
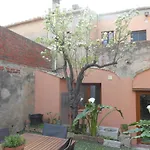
13	141
142	127
90	114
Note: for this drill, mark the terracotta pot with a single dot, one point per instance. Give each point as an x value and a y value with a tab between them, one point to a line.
15	148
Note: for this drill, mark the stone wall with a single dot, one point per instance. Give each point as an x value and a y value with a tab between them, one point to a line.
16	95
131	64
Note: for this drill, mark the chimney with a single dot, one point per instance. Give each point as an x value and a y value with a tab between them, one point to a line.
75	6
55	3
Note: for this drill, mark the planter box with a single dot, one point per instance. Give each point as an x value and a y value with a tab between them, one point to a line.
111	143
70	135
88	138
108	132
125	140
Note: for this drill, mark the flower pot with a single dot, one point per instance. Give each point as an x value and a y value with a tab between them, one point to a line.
36	119
15	148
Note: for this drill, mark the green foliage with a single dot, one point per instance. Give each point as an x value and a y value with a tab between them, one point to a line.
91	112
39	126
65	40
13	141
124	127
81	128
53	118
142	127
108	138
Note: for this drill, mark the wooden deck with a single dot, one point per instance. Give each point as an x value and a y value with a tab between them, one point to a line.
39	142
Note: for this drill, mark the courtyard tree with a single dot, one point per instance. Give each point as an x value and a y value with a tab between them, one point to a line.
72	41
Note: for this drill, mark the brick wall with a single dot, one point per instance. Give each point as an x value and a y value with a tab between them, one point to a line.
10	70
17	49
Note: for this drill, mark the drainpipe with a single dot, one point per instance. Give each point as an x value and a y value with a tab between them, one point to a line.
55	3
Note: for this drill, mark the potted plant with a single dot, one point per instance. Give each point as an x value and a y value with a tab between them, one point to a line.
14	142
124	127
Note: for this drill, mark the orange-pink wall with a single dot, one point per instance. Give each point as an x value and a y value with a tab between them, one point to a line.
47	93
63	86
116	92
142	80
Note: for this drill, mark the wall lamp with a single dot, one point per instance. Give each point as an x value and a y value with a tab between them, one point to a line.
146	16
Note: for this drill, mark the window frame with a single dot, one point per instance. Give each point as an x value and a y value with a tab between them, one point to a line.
108	38
138	32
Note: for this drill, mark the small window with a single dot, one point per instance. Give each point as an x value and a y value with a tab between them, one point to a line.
107	36
138	35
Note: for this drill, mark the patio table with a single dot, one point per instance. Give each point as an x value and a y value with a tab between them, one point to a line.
40	142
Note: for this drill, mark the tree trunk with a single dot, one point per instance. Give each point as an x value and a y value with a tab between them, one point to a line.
74	112
73	99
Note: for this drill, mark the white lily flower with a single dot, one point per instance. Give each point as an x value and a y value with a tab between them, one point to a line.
92	100
81	99
148	107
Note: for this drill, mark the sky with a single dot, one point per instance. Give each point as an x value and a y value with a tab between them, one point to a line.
12	11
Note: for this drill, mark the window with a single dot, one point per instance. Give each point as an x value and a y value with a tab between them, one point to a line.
90	90
138	35
107	36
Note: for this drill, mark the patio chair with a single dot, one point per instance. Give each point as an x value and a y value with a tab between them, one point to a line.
59	131
69	145
3	133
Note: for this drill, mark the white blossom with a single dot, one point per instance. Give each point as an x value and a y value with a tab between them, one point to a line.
92	100
148	107
98	40
81	99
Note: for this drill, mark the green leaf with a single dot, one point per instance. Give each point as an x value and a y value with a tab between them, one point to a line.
119	112
133	124
136	130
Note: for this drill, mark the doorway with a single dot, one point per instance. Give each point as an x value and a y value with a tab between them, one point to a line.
89	90
142	101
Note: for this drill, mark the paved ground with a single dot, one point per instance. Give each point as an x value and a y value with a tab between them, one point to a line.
83	145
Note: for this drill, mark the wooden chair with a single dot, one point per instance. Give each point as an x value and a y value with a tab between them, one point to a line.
69	145
59	131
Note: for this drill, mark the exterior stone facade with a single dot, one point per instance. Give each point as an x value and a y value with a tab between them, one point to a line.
16	96
19	57
132	64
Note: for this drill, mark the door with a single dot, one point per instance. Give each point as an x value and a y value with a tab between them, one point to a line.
64	109
143	100
89	90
